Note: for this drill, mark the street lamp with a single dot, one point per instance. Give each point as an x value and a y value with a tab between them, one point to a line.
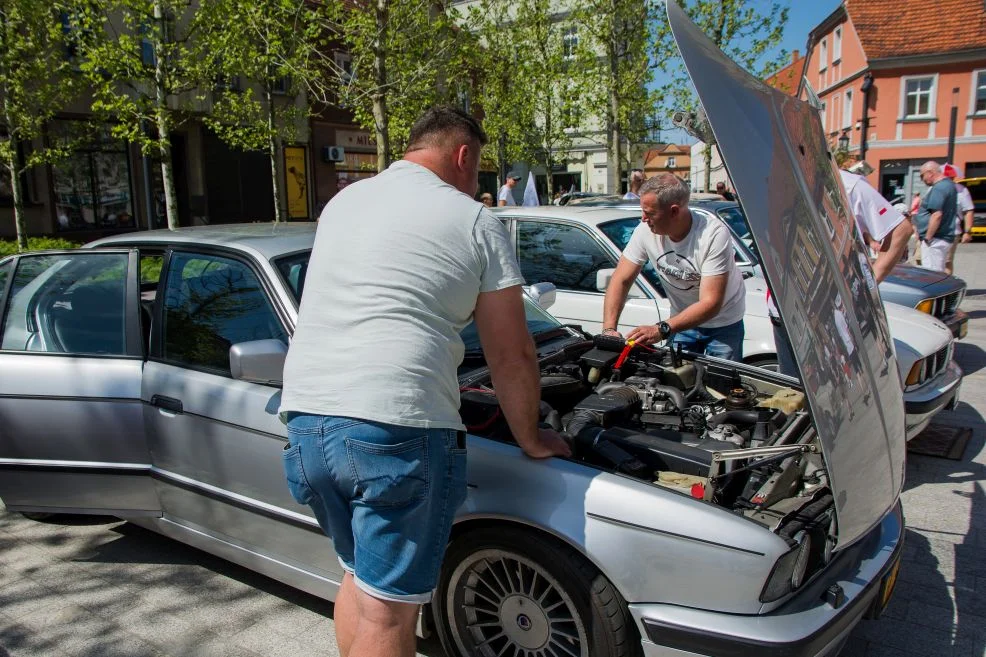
844	141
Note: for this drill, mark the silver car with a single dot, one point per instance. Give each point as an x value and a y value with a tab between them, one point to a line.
710	507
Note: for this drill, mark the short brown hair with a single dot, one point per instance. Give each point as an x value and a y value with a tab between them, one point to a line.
442	123
669	188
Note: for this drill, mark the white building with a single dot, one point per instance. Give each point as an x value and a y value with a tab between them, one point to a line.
698	169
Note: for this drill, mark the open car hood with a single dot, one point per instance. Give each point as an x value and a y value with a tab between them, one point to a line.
774	149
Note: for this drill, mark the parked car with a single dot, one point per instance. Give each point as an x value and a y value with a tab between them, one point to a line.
709	507
977	188
935	293
577	248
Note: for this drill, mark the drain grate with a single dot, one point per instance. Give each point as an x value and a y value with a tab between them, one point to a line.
942	441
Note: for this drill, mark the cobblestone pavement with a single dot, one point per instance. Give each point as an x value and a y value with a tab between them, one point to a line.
97	587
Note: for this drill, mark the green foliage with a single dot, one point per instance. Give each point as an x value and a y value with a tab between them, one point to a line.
37	244
745	30
405	57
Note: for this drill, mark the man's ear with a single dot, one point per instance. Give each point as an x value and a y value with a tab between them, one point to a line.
462	154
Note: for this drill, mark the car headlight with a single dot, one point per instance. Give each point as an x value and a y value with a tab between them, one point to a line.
926	306
916	376
789	571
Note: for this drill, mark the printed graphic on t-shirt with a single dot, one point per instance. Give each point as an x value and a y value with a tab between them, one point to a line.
679	272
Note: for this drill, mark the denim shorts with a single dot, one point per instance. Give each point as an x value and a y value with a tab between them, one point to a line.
724	342
386	496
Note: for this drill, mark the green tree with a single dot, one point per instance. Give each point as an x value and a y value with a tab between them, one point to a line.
747	31
138	58
621	33
400	58
265	69
36	83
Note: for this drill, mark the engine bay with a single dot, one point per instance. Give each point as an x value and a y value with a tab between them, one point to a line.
686	423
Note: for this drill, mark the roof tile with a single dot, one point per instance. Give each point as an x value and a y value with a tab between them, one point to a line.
896	28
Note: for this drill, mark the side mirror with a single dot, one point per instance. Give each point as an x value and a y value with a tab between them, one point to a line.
603	277
543	294
258	361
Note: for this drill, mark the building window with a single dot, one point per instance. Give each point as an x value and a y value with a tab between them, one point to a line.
919	95
837	45
835	114
93	185
570	42
821	113
980	92
281	85
847	109
823	55
344	64
671	162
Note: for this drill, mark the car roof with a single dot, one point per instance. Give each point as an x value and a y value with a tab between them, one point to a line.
592	215
266	240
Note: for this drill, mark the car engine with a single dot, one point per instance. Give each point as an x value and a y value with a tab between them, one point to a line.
697	426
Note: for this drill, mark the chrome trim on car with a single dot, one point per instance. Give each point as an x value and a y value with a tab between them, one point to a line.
652	530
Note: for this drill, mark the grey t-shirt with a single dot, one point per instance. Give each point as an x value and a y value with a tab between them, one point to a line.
506	194
398	263
942	197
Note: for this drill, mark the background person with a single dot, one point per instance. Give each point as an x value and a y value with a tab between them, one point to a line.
694	258
963	219
505	196
935	219
375	437
636	180
486	199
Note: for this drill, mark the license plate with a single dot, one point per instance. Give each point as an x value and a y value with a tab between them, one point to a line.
889	582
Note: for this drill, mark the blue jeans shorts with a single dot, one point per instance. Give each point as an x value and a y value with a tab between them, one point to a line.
724	342
386	496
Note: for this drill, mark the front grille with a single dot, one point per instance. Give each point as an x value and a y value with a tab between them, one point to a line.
938	362
945	304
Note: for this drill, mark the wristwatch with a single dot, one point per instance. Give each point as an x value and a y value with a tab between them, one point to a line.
665	330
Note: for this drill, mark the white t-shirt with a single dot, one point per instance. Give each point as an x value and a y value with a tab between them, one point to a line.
707	250
873	213
398	262
964	203
506	194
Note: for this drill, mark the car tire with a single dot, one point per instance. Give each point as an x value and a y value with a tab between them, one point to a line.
505	591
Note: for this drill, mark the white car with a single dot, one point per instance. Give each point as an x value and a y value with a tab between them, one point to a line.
577	247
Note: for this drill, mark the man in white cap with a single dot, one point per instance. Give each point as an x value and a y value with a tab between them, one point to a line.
963	218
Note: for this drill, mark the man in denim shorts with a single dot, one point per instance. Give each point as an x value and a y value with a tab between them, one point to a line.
402	262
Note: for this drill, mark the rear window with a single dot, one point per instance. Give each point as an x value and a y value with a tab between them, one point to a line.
293	269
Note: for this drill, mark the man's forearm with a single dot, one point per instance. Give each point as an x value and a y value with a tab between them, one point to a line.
933	222
694	315
517	382
967	221
891	251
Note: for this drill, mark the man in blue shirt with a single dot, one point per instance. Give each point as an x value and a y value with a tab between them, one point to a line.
935	219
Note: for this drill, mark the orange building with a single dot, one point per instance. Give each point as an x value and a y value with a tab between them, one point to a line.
891	75
671	158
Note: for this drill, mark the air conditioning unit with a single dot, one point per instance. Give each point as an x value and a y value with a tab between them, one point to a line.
333	154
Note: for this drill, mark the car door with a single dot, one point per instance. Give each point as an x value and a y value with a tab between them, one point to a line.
569	256
215	440
71	357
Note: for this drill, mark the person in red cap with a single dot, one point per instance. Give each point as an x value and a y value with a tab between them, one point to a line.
964	212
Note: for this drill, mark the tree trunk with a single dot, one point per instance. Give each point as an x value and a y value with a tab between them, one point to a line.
20	221
162	123
273	149
381	120
707	153
614	161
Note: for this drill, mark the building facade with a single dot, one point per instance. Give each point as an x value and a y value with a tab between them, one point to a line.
670	158
901	91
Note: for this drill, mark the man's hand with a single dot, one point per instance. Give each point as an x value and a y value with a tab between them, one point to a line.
613	332
549	443
966	238
645	335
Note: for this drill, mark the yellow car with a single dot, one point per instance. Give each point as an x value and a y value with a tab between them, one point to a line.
977	187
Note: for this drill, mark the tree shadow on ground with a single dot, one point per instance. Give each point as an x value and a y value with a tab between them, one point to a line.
970	356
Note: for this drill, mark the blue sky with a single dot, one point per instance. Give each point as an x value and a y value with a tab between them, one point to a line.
803	16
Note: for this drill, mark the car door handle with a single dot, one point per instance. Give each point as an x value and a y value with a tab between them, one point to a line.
167	403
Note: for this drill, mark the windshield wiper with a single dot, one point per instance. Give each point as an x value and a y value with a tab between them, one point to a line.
540	337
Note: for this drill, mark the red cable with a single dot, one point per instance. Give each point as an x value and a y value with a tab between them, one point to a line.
487	424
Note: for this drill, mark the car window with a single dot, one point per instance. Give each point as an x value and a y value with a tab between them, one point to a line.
619	233
68	304
210	304
4	275
557	253
293	269
736	221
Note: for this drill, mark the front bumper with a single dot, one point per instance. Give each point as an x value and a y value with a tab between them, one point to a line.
938	394
957	322
978	231
804	626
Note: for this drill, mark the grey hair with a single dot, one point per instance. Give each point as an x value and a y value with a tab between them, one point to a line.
669	188
931	166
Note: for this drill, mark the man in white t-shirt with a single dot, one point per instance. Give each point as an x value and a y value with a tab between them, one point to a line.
964	215
505	197
694	258
376	445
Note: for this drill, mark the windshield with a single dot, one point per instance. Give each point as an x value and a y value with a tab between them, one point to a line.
619	233
293	269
